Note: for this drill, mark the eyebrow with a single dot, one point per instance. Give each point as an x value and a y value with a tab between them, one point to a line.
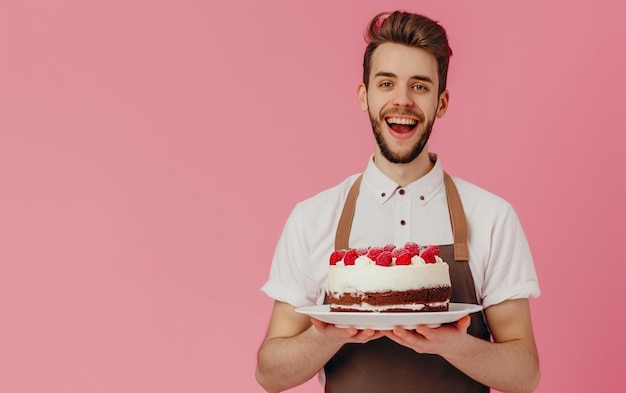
422	78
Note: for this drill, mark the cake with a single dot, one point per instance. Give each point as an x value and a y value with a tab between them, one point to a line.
388	279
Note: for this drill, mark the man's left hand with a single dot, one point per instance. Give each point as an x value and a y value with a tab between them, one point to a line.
439	340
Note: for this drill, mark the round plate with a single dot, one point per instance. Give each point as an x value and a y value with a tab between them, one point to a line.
388	321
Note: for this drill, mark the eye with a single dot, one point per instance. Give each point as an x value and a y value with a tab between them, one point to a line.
386	84
419	87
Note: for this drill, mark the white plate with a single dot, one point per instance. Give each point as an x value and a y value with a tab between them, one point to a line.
388	321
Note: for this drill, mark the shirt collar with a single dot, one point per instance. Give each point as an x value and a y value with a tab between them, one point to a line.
424	188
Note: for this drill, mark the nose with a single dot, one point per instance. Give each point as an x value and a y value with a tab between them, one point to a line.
403	97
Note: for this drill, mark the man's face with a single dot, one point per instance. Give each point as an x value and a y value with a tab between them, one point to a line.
402	100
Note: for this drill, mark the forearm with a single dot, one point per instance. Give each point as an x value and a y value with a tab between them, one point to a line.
285	362
510	367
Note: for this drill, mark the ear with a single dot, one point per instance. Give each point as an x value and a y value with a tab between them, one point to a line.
444	99
362	95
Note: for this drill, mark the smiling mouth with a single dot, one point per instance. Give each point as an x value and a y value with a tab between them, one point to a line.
401	125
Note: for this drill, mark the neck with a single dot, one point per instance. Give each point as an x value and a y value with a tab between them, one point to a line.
404	174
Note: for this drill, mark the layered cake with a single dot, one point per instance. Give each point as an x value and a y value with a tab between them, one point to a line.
388	279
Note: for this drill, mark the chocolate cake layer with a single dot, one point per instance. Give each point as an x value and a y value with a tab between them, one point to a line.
433	299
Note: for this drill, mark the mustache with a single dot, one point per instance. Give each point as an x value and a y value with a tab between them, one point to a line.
403	112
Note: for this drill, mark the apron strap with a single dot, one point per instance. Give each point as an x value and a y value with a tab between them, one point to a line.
455	209
342	235
457	219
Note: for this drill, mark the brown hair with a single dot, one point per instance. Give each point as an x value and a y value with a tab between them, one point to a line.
411	30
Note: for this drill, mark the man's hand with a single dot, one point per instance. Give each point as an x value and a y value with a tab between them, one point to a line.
441	340
345	335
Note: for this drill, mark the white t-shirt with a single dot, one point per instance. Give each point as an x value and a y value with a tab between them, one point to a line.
500	259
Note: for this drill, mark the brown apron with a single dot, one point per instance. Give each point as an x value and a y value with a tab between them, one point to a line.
382	366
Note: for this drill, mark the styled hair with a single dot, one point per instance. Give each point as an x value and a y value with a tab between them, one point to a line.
412	30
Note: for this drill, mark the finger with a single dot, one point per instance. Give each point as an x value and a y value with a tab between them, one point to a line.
350	332
423	330
396	335
365	334
399	332
318	323
464	323
405	335
408	338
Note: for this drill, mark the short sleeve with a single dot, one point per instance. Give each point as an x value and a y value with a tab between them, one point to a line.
290	279
510	271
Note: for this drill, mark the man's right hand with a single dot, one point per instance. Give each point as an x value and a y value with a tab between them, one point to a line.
346	335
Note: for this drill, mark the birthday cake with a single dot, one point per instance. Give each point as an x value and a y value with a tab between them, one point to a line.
388	279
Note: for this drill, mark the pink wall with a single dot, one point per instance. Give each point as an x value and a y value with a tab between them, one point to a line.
147	159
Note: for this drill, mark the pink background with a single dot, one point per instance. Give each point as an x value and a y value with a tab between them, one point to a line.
150	152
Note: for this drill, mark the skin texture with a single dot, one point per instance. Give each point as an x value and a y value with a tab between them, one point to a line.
403	84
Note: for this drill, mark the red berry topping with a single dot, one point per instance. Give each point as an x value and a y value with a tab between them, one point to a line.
404	258
362	251
337	256
350	257
398	251
384	259
374	252
428	255
389	247
413	247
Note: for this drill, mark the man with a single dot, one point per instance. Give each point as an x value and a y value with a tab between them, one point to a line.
403	197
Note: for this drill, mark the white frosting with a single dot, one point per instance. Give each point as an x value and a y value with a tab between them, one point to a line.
366	276
363	260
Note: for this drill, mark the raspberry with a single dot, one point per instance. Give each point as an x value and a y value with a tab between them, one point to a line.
337	256
350	257
413	247
428	255
362	251
389	247
398	251
384	259
435	250
404	258
374	252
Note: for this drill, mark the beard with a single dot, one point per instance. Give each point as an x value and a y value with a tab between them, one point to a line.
397	157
